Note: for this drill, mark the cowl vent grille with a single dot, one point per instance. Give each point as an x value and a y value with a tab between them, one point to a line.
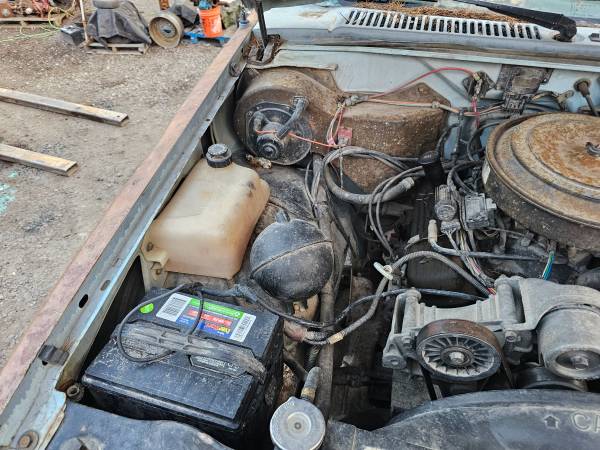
365	18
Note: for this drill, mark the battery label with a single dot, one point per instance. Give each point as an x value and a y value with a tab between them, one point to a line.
216	319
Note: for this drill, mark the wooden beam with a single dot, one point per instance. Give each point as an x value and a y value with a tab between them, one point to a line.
62	107
38	160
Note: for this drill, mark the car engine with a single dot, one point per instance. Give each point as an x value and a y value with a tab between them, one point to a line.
352	256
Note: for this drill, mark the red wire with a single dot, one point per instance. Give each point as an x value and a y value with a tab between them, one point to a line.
431	72
310	140
299	138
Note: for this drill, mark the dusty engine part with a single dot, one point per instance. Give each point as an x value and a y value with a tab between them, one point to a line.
477	211
166	29
297	424
539	377
398	131
590	278
539	172
291	260
519	84
268	127
427	272
121	24
565	317
458	350
445	205
575	354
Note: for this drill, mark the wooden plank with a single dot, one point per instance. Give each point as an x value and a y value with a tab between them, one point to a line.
117	49
38	160
32	21
63	107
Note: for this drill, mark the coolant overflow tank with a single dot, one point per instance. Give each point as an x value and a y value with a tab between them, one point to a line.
206	226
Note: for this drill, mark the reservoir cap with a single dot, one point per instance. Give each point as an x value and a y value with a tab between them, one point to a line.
218	155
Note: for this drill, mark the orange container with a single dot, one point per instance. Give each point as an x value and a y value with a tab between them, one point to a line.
211	22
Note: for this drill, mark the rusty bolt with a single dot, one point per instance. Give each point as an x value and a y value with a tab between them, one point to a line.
24	441
27	440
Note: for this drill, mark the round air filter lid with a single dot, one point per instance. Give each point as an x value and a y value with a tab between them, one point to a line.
544	171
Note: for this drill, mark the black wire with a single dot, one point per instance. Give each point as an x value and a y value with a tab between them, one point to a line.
248	294
477	134
149	359
395	292
458	168
439	147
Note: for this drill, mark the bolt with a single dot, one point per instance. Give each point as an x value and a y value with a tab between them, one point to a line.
24	441
580	362
457	358
593	150
511	336
27	440
149	246
297	425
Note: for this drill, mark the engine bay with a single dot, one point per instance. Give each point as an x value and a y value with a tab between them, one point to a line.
340	261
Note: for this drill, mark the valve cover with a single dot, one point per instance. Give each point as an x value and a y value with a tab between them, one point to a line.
544	171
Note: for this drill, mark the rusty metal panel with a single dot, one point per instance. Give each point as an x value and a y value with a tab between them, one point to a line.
395	130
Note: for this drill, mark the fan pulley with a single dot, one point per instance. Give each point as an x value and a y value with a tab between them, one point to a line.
458	350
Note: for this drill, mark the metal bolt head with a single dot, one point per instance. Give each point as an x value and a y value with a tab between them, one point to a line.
511	336
592	149
149	246
28	439
24	441
580	362
457	358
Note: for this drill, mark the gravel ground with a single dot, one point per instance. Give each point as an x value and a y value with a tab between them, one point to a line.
45	218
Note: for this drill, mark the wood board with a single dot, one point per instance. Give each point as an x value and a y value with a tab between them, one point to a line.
50	163
63	107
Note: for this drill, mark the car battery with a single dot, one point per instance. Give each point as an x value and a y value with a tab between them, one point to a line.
223	379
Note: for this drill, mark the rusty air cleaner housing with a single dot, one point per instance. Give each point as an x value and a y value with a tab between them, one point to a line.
544	171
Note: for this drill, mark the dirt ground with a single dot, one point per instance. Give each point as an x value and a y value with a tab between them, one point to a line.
45	218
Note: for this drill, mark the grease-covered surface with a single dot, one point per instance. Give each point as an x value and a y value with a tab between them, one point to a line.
45	218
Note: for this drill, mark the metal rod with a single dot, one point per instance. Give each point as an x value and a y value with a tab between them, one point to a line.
261	22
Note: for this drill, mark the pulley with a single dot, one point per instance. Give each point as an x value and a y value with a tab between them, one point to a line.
458	350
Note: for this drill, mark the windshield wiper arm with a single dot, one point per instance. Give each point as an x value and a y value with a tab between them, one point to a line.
566	26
